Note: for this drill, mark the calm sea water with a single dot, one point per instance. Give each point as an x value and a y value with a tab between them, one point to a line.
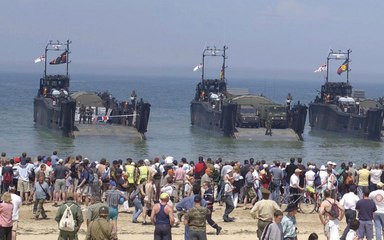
170	132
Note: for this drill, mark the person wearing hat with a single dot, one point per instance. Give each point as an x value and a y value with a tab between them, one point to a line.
348	201
162	217
294	185
77	216
289	222
264	211
378	217
101	228
195	218
93	209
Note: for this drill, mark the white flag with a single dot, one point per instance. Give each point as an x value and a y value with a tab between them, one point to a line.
40	59
322	68
198	67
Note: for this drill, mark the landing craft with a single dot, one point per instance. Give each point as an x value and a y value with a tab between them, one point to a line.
55	107
339	109
242	115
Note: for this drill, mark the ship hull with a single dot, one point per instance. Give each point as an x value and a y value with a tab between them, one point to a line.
223	122
60	116
330	118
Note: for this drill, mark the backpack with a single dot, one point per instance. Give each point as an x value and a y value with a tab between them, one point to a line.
157	175
317	181
67	222
32	175
91	177
335	211
7	178
105	177
134	194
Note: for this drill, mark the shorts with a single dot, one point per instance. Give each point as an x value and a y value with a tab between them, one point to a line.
23	186
60	185
75	182
84	190
15	225
113	213
331	229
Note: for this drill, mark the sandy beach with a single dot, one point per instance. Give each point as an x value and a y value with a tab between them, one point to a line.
243	228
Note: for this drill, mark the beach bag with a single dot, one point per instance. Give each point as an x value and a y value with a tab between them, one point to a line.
67	222
335	211
7	178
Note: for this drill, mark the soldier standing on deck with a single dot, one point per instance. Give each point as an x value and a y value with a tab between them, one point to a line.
82	111
89	114
268	126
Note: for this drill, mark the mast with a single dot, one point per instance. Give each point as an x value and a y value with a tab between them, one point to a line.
57	46
214	52
339	55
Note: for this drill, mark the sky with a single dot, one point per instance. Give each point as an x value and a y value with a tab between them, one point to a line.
265	38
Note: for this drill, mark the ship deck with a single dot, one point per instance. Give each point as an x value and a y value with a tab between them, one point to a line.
130	133
258	134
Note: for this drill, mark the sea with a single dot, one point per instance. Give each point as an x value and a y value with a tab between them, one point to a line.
170	132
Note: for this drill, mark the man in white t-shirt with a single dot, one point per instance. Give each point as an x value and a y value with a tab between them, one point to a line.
378	216
375	175
294	185
348	201
16	202
310	176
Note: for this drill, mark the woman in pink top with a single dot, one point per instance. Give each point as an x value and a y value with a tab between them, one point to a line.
6	223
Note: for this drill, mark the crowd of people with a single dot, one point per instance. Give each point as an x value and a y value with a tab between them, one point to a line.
166	192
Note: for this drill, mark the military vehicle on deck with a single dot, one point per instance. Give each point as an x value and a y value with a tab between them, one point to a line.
247	116
218	109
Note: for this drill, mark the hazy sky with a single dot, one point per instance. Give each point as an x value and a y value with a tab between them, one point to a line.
265	38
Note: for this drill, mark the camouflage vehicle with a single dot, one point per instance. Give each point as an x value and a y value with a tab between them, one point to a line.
247	116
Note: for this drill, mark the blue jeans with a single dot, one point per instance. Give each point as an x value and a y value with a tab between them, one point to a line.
365	229
275	194
186	232
378	219
138	208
